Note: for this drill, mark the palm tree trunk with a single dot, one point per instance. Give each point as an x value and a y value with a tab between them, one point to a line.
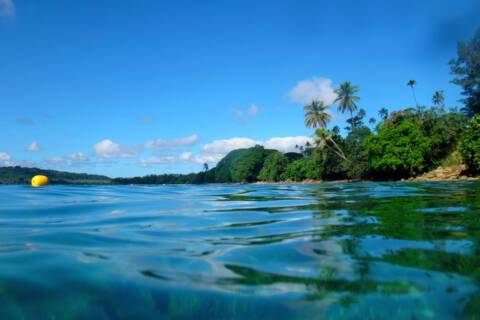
414	97
338	151
351	119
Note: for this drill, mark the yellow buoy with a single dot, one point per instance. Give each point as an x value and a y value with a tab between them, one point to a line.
39	181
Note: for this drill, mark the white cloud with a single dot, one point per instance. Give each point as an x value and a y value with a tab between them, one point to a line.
153	160
5	159
77	156
55	160
5	156
7	9
33	147
185	156
109	149
161	143
286	144
226	145
315	88
251	111
216	150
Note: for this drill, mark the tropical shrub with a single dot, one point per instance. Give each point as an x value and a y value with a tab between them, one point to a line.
358	165
470	145
241	165
295	171
466	68
398	151
273	167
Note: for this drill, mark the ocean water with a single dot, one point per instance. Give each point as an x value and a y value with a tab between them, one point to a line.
329	251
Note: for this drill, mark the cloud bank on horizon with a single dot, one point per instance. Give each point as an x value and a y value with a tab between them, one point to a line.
164	151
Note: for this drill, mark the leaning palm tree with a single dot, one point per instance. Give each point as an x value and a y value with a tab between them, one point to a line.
411	84
346	99
316	114
323	139
438	99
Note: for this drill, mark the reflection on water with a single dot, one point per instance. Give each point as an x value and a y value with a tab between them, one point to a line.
343	251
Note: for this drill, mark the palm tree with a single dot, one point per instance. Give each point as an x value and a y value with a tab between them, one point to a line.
323	139
438	99
316	114
372	121
383	113
205	167
411	84
346	99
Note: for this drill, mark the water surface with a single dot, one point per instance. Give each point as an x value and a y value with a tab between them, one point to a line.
339	251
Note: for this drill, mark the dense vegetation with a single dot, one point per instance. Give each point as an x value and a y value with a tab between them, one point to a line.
20	175
470	145
397	145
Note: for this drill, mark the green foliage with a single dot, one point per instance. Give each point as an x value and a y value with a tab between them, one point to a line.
453	159
162	179
399	151
316	114
358	165
273	167
305	168
470	145
357	120
295	171
346	98
313	167
242	165
467	70
412	141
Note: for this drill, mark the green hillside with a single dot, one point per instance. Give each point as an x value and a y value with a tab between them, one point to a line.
21	175
242	165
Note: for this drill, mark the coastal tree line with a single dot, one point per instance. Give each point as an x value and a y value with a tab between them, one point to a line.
394	145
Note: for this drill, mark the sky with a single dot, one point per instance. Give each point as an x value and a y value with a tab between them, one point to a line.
128	88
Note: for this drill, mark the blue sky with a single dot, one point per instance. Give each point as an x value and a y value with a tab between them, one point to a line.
128	88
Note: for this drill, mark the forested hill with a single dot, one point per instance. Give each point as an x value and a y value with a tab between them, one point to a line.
21	175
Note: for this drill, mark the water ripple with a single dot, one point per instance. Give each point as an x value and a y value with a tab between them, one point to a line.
333	250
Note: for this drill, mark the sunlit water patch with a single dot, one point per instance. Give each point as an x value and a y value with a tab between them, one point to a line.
340	251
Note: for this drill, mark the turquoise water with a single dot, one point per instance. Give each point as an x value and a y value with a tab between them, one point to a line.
339	251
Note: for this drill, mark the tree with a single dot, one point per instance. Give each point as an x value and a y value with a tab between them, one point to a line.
205	167
398	151
470	145
466	68
316	114
358	165
372	121
383	113
412	84
273	167
304	168
357	120
323	139
438	99
346	99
